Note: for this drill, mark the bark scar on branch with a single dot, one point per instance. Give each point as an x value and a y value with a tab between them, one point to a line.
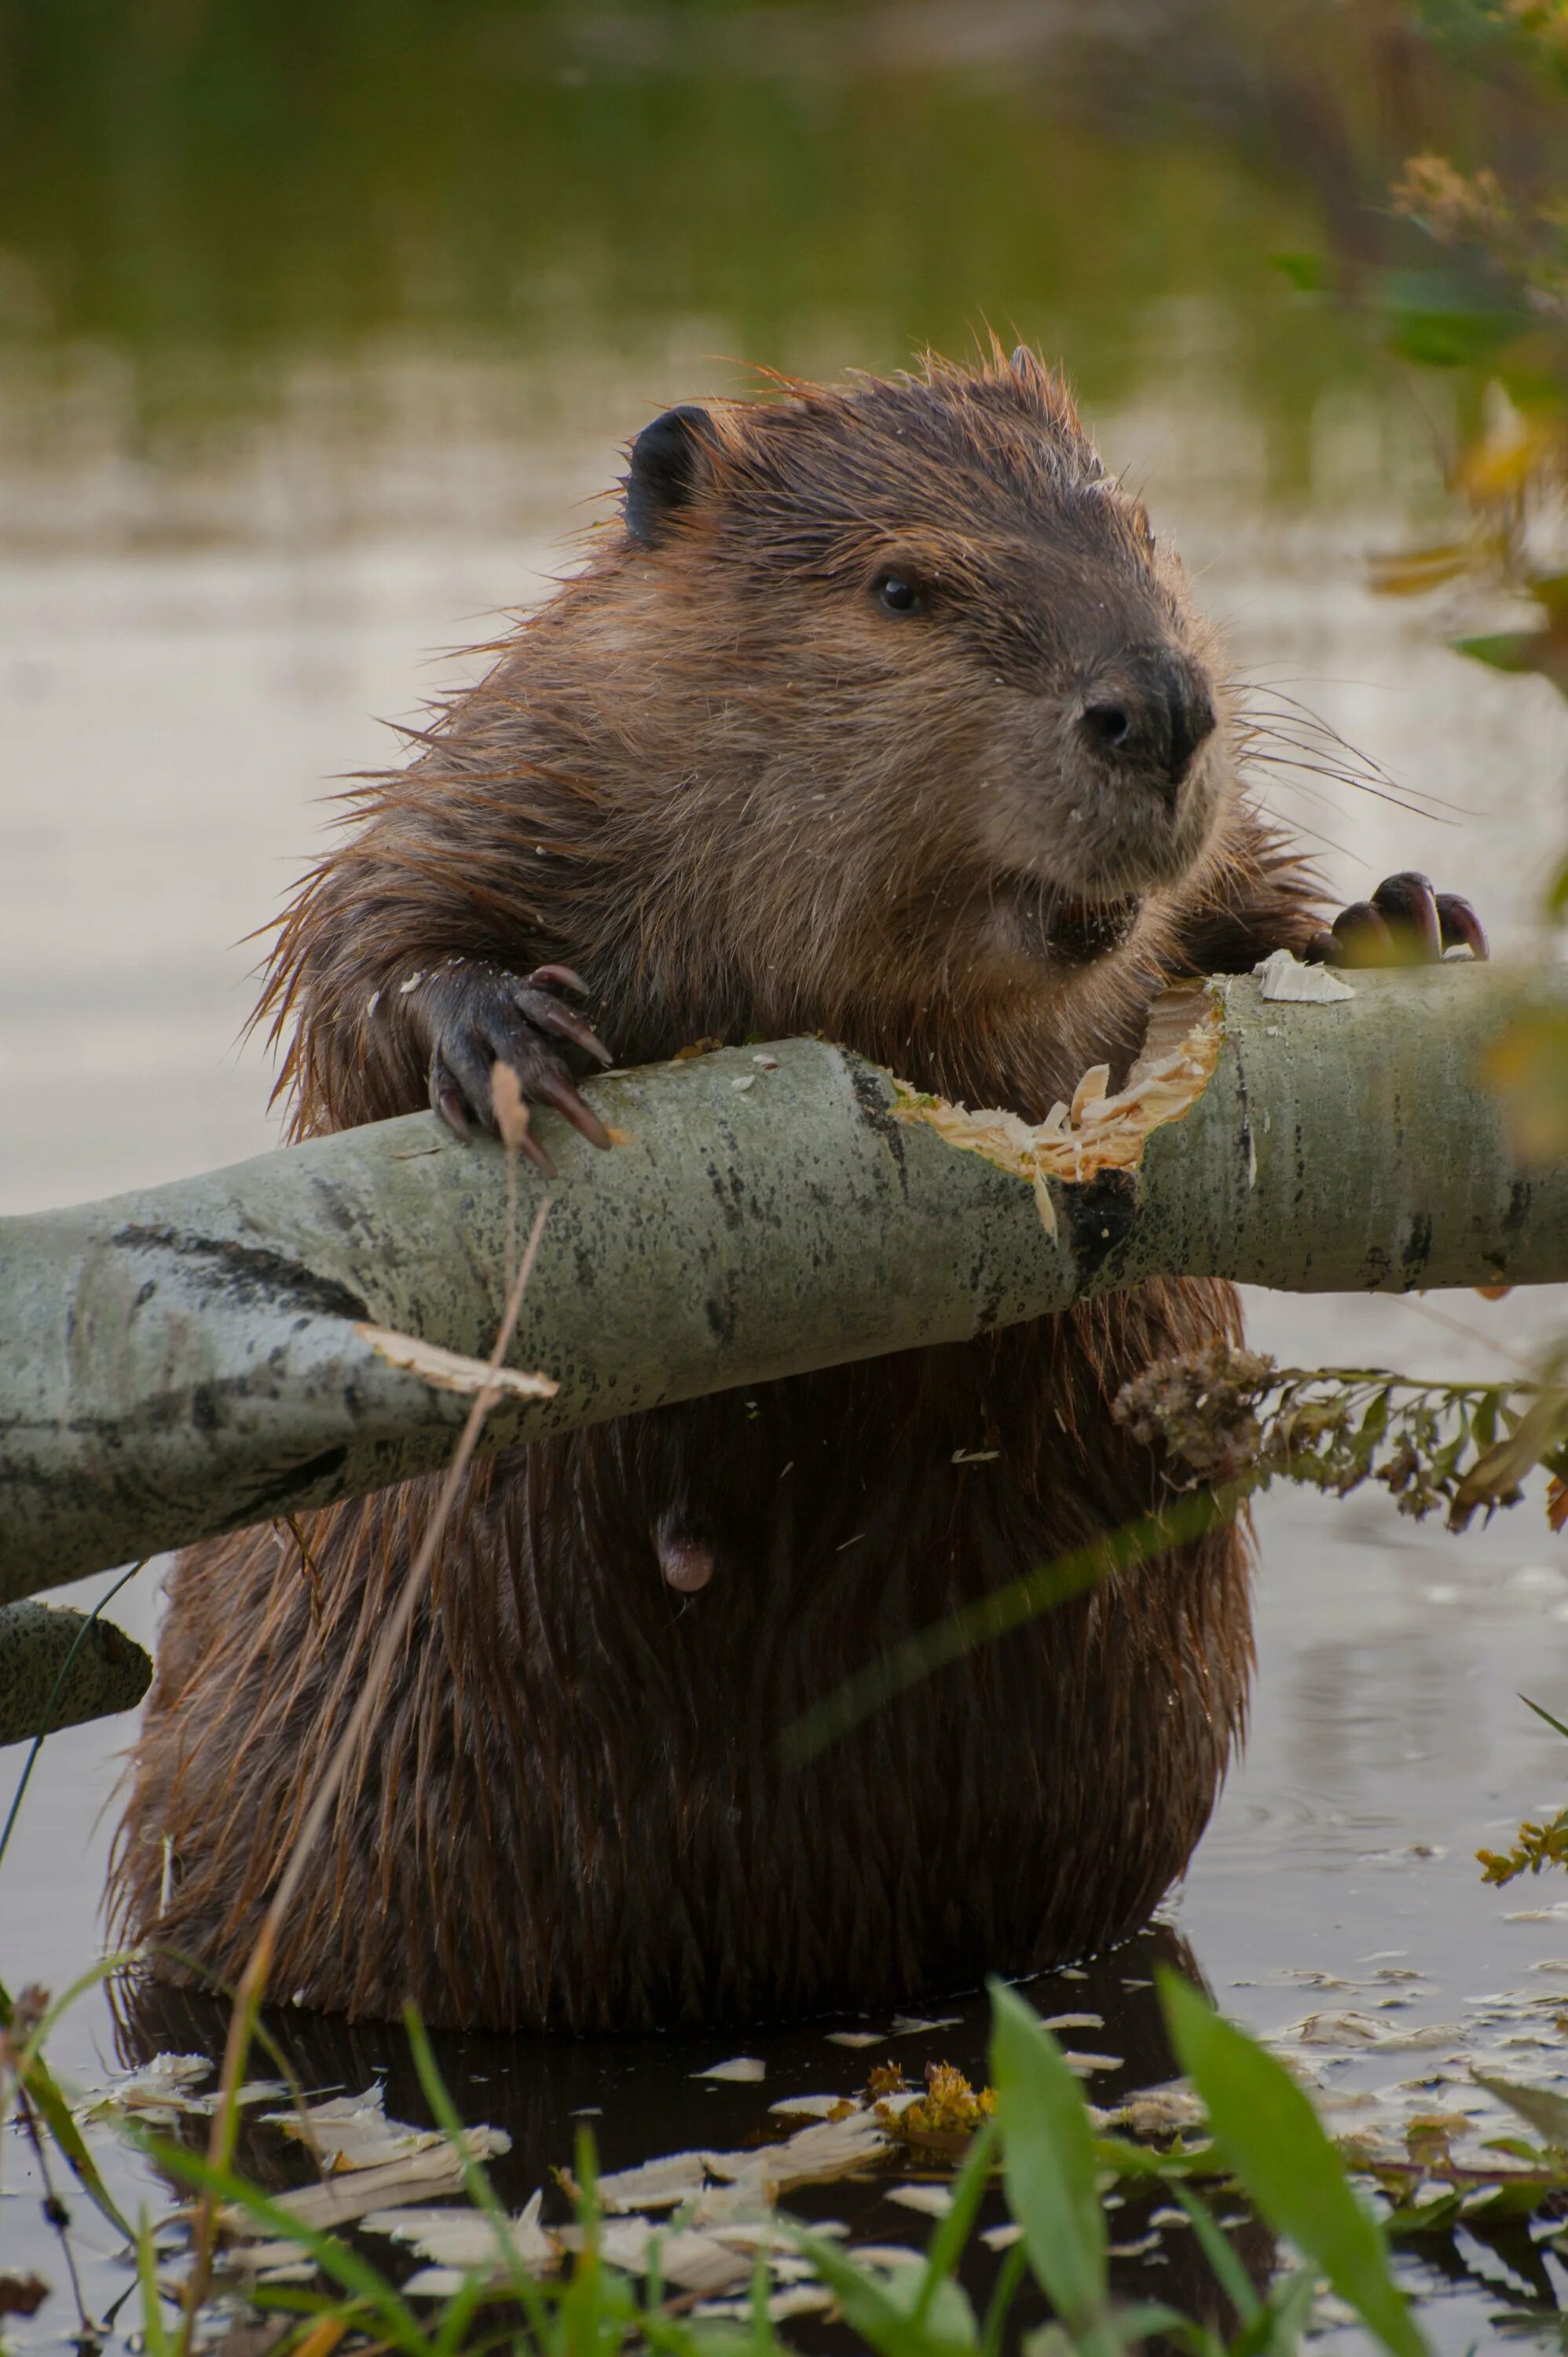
1097	1131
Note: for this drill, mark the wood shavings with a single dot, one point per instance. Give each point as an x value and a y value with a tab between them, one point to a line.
826	2149
267	2263
931	2200
727	2167
353	2131
157	2093
161	2092
745	2070
690	2259
1282	977
657	2184
449	1371
431	2171
796	2299
466	2239
434	2283
1097	1131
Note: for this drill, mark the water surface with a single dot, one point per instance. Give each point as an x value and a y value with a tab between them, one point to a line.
295	404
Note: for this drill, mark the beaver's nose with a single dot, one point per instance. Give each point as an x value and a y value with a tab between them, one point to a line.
1150	716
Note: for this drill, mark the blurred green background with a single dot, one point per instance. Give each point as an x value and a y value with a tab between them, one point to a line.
209	190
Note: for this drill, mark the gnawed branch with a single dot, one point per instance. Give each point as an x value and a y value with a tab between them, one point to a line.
201	1356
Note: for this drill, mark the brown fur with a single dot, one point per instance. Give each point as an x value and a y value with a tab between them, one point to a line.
712	778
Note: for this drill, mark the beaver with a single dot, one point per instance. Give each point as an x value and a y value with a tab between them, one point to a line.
880	713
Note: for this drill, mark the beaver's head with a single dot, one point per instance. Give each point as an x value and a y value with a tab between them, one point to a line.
910	638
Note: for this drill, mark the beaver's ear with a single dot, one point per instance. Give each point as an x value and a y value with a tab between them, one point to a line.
670	461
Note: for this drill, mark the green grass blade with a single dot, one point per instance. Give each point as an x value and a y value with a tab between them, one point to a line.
874	2310
1003	2292
35	2081
954	2230
1048	2163
1268	2132
1547	2113
105	1967
987	1618
155	2337
338	2261
1541	1712
1223	2264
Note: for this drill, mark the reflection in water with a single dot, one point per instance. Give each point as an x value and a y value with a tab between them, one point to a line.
643	2098
870	174
312	354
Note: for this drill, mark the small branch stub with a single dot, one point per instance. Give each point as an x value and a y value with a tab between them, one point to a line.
109	1672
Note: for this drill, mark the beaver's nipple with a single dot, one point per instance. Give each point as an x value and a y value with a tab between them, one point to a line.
686	1562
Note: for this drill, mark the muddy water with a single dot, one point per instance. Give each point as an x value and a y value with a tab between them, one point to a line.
173	701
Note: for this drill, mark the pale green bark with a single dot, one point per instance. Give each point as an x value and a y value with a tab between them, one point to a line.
189	1360
48	1679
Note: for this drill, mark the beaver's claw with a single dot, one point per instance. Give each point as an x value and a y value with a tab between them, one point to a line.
480	1017
1405	922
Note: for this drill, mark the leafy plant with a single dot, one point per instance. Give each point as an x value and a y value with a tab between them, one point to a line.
1234	1416
1270	2135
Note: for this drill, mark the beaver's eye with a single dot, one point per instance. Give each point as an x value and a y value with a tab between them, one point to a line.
898	593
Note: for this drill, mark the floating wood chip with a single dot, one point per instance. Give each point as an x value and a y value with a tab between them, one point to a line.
1097	1131
449	1371
156	2094
933	2200
691	2260
798	2299
657	2184
466	2239
431	2172
354	2132
826	2149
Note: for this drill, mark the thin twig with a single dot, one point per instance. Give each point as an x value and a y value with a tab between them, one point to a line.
58	2217
252	1988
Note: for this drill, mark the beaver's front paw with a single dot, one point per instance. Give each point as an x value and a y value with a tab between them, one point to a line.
1405	922
480	1017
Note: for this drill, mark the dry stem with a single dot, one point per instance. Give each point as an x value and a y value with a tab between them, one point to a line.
251	1990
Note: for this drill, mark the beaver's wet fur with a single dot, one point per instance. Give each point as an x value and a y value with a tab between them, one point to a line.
879	713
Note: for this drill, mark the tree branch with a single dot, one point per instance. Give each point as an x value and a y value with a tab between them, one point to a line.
201	1356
